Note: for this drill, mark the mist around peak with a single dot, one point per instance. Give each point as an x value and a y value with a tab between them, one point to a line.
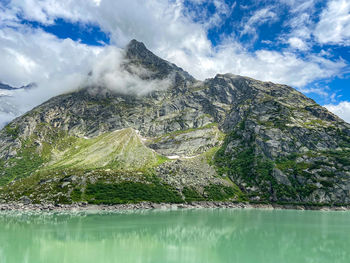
131	71
113	72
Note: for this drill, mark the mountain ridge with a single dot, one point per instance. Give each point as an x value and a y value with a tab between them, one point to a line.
234	138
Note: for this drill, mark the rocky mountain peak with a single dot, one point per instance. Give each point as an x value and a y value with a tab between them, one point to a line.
138	55
136	49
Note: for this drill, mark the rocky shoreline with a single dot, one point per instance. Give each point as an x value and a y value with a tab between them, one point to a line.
165	206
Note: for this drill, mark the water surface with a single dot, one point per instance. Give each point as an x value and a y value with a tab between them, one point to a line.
204	235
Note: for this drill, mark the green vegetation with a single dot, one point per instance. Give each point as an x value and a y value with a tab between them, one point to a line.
121	149
76	195
210	155
344	138
316	122
12	131
219	192
341	157
130	192
284	192
212	192
191	194
303	170
290	164
160	160
106	186
32	155
26	162
125	179
244	164
117	150
208	116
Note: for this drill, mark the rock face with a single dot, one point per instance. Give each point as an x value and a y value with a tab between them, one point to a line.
266	141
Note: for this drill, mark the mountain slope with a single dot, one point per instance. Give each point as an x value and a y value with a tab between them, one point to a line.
234	138
120	149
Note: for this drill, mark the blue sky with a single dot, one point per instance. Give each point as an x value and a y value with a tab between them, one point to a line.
89	34
305	44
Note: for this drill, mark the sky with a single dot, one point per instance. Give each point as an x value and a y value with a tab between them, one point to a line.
301	43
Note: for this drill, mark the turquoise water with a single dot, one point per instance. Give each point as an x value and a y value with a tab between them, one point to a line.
204	235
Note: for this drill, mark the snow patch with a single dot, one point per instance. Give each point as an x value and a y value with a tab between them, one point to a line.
173	157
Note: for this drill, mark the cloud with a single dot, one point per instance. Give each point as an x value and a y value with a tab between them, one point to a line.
280	67
262	16
32	55
29	55
297	43
300	24
341	109
8	111
210	20
310	26
185	42
110	74
334	24
5	118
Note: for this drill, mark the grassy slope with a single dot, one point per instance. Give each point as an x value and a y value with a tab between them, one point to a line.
122	149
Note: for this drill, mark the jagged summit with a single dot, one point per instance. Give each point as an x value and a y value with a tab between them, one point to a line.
234	138
138	55
137	49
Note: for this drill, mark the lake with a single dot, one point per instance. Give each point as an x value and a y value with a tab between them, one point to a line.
198	235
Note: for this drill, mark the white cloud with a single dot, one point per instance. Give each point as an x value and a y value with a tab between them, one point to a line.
45	11
8	111
279	67
262	16
97	2
297	43
109	74
300	6
342	110
309	28
334	24
300	24
166	30
31	55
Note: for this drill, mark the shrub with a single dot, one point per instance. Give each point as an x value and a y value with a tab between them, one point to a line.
219	192
12	131
130	192
191	194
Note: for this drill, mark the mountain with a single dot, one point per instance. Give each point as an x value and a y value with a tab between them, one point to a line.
226	138
8	87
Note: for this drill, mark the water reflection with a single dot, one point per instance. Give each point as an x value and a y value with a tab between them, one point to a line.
216	235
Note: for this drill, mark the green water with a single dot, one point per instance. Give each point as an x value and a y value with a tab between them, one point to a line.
205	235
